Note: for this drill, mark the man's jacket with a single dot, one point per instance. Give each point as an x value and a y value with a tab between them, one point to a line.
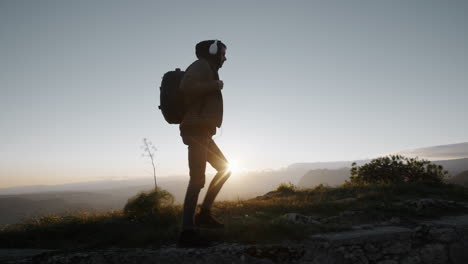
202	96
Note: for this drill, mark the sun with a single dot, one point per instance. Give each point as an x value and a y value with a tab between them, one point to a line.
233	166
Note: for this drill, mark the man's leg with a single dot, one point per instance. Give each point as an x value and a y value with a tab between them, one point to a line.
197	157
216	158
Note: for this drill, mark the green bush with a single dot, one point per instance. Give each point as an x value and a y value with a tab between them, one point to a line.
397	169
148	203
286	188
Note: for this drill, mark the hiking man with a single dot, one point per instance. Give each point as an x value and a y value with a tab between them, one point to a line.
203	100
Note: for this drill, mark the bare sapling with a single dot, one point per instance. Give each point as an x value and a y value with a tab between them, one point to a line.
149	151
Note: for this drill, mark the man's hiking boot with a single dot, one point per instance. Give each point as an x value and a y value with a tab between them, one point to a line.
206	219
192	239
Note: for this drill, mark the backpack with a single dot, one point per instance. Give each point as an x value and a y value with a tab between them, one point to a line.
171	98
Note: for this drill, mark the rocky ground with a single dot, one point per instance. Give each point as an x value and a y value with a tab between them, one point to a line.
393	241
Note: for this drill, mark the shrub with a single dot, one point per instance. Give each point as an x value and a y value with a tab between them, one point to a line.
397	169
286	188
148	203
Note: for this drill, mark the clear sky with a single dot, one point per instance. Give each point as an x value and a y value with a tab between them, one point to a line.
304	81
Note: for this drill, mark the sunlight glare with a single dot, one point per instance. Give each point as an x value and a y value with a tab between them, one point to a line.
233	166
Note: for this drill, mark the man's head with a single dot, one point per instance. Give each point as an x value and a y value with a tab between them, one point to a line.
217	55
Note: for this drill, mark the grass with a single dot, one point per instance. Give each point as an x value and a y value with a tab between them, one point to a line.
83	230
247	221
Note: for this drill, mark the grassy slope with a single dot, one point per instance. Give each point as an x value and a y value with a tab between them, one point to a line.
461	178
256	220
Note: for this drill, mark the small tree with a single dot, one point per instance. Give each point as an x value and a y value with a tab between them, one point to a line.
149	151
397	169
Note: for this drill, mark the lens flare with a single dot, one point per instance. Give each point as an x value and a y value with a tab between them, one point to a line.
233	165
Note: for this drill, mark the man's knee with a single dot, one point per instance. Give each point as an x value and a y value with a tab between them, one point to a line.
225	171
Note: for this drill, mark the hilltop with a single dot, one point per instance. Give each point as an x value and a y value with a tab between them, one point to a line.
285	214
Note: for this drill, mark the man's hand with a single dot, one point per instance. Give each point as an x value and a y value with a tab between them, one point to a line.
220	84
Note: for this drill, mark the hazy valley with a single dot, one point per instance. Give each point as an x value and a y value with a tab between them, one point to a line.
26	201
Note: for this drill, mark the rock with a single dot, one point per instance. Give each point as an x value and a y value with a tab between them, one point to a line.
437	241
443	234
433	254
384	233
12	254
366	226
427	204
388	261
356	255
422	230
346	218
374	256
411	259
392	221
349	213
360	260
371	248
458	253
330	219
397	247
301	219
450	221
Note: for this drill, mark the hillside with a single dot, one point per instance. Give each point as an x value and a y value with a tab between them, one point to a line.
278	222
14	208
113	194
461	178
376	202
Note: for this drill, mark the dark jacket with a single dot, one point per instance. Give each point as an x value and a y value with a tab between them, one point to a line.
203	98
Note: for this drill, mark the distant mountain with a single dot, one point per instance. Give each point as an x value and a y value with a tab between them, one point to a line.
259	181
442	152
453	157
453	166
335	177
80	186
330	177
326	165
15	208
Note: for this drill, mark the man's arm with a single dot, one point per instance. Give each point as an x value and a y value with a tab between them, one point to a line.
195	81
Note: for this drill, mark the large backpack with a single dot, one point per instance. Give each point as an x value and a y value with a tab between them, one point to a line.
171	98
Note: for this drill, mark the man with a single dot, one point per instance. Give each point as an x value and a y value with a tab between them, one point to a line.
204	103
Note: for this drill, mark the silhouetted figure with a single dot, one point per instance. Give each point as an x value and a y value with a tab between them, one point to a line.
204	103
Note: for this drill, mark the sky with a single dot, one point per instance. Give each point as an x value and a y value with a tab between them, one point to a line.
304	81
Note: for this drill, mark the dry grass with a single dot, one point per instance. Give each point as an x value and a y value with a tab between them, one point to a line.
253	221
